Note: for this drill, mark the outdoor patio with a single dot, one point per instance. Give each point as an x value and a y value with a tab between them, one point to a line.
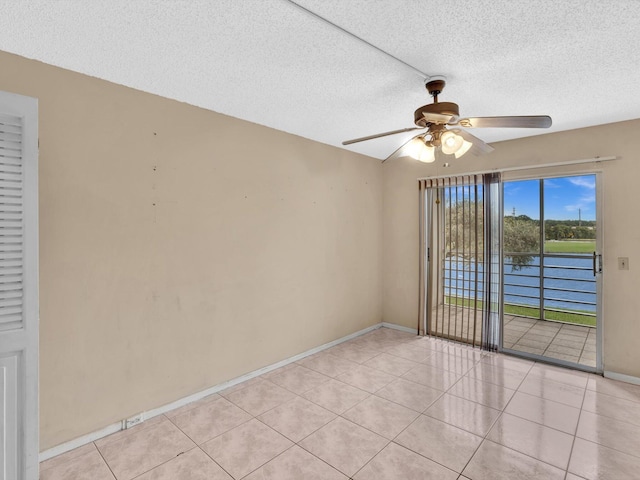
573	343
562	341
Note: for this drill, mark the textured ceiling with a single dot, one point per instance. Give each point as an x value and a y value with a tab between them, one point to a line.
272	62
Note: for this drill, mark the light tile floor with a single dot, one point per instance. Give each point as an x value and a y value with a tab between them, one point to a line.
387	405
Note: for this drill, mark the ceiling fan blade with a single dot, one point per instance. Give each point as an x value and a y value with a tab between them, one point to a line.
534	121
478	146
378	135
398	151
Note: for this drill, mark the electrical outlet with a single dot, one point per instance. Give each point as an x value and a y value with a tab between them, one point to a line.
623	263
132	421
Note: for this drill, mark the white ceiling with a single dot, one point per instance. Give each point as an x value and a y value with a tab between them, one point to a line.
272	62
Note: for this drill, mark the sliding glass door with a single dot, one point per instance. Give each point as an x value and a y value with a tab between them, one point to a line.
512	266
551	270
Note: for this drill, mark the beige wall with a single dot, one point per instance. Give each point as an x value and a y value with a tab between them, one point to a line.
180	248
621	232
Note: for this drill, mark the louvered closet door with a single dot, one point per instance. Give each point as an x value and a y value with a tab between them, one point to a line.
18	288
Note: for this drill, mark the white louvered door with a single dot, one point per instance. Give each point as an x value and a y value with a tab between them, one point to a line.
18	287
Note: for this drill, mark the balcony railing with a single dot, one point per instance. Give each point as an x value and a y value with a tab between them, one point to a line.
563	288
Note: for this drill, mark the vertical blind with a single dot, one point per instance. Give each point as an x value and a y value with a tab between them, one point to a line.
460	261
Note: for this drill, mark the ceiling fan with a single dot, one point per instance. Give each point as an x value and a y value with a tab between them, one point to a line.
436	117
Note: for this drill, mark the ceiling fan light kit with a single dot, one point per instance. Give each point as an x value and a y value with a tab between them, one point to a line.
418	149
436	116
464	148
451	142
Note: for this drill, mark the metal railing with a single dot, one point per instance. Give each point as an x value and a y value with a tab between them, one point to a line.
567	283
563	288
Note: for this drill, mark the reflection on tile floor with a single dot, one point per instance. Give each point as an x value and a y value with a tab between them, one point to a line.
386	405
562	341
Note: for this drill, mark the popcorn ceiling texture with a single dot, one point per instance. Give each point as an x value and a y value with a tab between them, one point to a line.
272	63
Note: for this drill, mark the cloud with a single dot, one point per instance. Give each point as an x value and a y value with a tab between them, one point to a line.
511	189
573	208
586	182
587	199
583	204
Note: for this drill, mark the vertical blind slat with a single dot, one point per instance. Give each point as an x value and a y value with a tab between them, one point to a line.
456	282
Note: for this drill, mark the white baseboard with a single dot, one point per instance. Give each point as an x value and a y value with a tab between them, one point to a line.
79	442
622	377
115	427
399	327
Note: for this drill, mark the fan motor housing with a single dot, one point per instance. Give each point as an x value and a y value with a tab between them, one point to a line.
442	108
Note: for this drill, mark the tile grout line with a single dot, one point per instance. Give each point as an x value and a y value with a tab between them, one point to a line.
523	335
408	426
505	331
597	442
322	426
369	461
361	426
255	417
411	423
169	460
213	460
542	424
71	459
441	396
537	459
586	339
439	420
566	470
484	438
315	456
552	339
105	461
575	434
419	414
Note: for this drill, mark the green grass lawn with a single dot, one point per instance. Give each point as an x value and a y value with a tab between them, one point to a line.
570	246
576	317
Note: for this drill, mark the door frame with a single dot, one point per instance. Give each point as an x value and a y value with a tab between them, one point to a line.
600	276
20	346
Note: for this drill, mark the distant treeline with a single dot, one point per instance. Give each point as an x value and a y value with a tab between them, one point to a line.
560	229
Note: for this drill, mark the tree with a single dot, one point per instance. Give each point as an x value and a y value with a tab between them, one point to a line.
521	235
464	223
463	231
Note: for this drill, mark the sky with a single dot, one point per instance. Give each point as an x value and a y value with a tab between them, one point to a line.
563	198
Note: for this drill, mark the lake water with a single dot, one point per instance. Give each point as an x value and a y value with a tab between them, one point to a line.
569	282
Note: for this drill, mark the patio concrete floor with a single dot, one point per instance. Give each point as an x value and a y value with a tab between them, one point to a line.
562	341
573	343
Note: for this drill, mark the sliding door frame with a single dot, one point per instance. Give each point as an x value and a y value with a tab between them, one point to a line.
599	368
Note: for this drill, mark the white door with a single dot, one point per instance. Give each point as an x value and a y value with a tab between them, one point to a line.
18	287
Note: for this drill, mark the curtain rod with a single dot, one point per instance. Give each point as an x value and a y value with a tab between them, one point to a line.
527	167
